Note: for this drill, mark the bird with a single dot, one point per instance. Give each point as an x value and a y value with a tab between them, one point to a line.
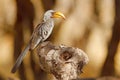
40	33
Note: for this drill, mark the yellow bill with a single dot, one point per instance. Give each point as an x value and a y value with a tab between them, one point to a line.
58	15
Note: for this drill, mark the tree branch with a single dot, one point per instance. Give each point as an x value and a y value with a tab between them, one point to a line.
65	63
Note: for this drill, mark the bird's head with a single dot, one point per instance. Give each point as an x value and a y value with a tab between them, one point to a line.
53	14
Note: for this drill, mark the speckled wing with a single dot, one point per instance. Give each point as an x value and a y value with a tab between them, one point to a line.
37	36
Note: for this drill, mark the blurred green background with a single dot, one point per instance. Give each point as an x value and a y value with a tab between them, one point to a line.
91	25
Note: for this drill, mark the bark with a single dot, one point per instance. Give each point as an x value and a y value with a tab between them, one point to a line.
65	63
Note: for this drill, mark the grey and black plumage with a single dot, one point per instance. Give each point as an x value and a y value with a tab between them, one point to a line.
40	34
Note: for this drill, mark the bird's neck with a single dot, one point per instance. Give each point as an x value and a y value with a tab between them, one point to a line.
49	22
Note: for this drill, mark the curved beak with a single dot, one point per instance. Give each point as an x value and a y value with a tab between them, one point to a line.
58	15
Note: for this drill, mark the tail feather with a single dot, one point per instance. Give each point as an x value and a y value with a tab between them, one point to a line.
20	58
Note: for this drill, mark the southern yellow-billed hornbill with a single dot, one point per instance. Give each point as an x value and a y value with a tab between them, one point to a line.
40	34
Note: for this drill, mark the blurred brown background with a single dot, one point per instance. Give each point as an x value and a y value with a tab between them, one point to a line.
92	25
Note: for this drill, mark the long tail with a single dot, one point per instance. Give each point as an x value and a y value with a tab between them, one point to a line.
20	58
